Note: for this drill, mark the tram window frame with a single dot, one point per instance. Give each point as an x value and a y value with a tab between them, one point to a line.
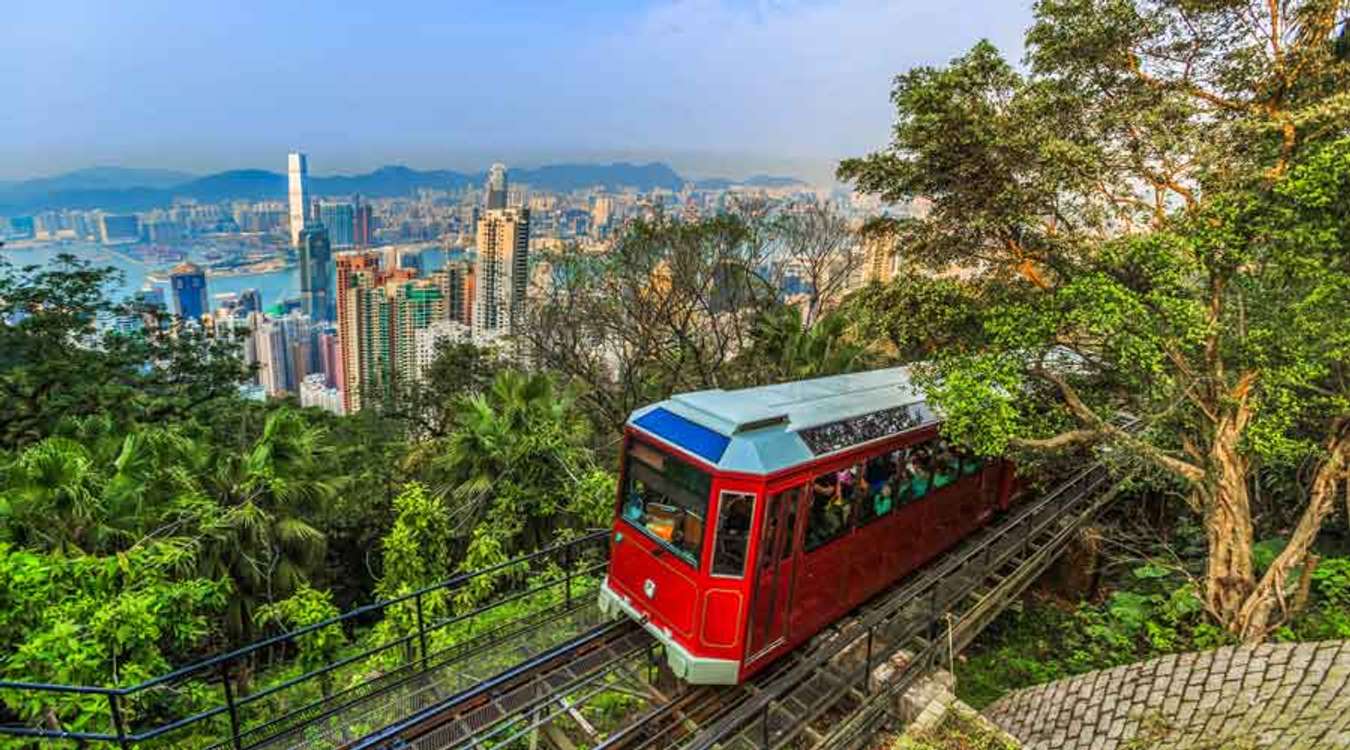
719	534
683	486
810	544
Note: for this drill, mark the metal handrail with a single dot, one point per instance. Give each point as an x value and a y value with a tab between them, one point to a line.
216	668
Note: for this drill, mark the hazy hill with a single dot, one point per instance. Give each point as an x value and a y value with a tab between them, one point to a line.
123	189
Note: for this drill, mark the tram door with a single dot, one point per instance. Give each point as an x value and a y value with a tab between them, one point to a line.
773	574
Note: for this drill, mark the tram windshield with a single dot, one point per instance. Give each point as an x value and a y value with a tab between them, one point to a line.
667	498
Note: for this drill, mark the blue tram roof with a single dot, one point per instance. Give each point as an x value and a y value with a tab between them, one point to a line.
769	428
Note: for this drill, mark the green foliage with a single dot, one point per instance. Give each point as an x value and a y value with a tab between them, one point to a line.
516	470
115	620
307	607
783	349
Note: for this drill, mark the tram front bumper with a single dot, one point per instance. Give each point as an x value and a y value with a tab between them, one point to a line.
697	670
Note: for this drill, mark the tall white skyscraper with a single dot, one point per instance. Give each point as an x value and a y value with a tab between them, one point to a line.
298	170
496	186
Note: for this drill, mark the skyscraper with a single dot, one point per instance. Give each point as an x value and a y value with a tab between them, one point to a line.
316	274
339	218
456	282
298	172
362	320
501	272
363	225
188	281
496	186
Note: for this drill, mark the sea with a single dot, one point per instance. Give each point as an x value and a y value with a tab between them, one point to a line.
273	286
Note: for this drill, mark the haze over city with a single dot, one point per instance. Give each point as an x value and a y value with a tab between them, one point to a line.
713	87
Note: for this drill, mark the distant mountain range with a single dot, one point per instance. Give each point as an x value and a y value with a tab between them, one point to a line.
122	189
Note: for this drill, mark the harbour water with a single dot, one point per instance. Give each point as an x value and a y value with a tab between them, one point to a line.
274	286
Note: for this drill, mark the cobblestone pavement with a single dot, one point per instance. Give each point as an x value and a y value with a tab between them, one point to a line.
1268	696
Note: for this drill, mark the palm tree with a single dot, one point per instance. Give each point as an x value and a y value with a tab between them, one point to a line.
784	349
512	458
262	540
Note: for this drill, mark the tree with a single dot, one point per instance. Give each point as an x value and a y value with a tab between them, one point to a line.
263	540
819	248
427	406
416	554
516	470
56	363
783	348
318	648
1157	214
664	310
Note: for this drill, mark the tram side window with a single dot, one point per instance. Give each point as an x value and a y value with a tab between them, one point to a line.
734	512
789	523
831	494
879	497
945	464
667	498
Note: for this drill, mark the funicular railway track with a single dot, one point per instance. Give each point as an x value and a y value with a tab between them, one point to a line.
822	695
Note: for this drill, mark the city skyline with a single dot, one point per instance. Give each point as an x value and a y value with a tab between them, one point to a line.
714	87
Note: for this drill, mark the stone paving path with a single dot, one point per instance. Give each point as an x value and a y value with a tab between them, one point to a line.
1240	698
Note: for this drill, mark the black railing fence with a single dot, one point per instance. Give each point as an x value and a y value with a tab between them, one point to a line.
247	697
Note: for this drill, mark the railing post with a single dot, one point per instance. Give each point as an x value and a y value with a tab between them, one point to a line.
229	703
567	581
115	705
867	664
421	630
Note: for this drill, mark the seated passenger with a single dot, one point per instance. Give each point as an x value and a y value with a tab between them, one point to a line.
878	472
883	500
918	472
945	468
847	485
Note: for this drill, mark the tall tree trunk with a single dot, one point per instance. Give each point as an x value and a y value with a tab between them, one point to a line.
1229	577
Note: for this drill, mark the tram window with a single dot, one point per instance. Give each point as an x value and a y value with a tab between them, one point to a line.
734	512
946	466
918	476
789	523
879	496
828	516
667	498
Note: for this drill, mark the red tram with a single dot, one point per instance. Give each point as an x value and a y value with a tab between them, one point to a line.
749	520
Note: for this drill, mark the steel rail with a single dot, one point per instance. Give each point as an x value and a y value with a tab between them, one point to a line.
436	714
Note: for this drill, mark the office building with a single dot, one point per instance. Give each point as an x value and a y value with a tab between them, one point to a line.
340	221
363	224
297	170
316	274
879	260
22	228
188	282
501	272
117	229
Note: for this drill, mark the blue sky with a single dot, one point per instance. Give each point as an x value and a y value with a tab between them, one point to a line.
715	87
